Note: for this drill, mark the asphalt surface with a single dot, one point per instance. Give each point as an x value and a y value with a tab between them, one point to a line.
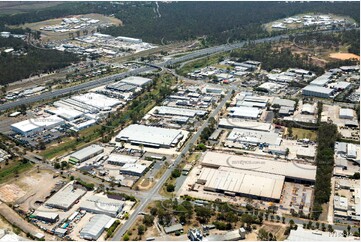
109	79
154	191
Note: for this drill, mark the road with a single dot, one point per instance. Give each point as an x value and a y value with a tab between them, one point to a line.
154	191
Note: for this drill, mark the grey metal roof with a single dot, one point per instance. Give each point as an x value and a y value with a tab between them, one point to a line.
85	152
173	228
96	225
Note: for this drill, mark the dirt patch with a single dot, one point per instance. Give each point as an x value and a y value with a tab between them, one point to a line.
277	230
344	56
10	193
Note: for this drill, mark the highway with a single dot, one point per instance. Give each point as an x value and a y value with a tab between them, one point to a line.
111	78
154	191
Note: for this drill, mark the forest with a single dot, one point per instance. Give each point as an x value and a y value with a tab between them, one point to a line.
32	61
219	21
350	38
273	58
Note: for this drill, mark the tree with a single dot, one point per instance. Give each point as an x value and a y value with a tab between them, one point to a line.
57	165
126	237
148	220
141	229
170	188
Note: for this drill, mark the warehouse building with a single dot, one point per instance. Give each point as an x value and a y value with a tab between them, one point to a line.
96	226
231	123
150	136
85	153
246	183
308	109
32	126
244	112
121	160
66	197
137	81
253	137
121	87
48	217
284	102
133	169
346	113
98	101
65	113
165	110
102	205
317	91
293	172
174	228
321	81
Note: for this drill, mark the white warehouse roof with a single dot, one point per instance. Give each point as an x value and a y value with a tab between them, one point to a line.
95	227
149	135
254	137
87	151
96	100
165	110
137	80
318	89
346	113
32	124
244	112
287	169
242	181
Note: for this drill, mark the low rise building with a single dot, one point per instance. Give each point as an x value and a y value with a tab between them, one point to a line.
317	91
31	126
102	205
66	197
253	137
346	113
86	153
95	227
150	136
137	81
174	228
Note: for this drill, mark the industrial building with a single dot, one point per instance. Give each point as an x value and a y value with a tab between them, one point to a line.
248	100
191	113
244	112
321	81
174	228
150	136
232	181
85	153
66	197
96	100
317	91
96	226
294	172
346	113
31	126
284	102
234	235
65	113
102	205
137	81
346	150
48	217
133	169
308	109
253	137
120	160
231	123
121	87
